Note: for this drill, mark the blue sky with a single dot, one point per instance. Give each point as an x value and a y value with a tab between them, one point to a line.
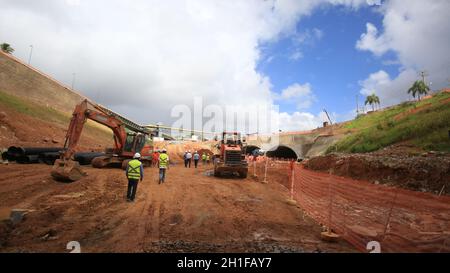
330	63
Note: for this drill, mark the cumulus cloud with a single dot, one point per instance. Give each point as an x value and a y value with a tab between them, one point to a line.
296	55
419	34
308	37
372	42
390	91
143	58
300	121
302	95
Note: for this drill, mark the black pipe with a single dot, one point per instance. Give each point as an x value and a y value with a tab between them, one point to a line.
12	153
37	151
86	158
18	151
5	155
49	158
28	159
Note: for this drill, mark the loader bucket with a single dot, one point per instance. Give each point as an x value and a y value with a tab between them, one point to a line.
67	170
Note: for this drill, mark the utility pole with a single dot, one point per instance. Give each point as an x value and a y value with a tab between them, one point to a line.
73	80
357	104
31	53
423	74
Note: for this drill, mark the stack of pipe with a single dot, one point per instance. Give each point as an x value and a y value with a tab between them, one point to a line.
29	155
84	158
46	155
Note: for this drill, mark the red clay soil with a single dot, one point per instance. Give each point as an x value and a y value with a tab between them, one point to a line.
17	129
192	212
427	172
176	151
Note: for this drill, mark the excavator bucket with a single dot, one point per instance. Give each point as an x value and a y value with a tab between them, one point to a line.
67	170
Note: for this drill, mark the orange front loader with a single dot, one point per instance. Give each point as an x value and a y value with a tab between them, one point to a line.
231	157
126	144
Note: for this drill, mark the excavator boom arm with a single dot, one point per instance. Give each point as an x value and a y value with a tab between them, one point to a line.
79	117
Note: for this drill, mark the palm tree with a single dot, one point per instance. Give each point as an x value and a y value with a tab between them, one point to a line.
6	48
373	100
419	88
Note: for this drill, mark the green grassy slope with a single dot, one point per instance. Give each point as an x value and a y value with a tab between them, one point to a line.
424	124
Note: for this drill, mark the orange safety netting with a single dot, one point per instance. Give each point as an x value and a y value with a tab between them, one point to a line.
361	212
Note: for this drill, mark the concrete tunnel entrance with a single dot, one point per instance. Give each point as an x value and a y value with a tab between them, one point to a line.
250	148
282	152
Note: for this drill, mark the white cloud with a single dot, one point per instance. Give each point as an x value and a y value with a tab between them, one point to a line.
143	58
419	33
301	95
308	37
300	121
372	42
73	2
390	91
318	33
375	82
296	55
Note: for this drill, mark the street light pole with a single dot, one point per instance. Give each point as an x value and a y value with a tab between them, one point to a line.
31	53
73	80
357	104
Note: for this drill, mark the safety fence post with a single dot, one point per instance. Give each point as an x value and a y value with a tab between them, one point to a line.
329	235
265	171
291	201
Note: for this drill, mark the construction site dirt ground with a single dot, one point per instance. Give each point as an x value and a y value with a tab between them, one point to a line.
191	212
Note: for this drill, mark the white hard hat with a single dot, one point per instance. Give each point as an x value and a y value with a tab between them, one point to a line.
137	155
164	150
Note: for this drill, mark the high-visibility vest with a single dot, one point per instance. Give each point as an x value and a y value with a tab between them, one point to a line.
204	156
163	160
134	169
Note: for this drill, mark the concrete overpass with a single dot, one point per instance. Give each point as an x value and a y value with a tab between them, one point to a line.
297	145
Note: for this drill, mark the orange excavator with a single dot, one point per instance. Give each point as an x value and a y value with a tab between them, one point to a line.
129	138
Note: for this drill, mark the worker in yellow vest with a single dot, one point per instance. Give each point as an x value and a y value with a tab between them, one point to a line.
204	158
134	172
163	165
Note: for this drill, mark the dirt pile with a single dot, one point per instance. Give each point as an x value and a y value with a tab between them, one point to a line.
421	172
176	150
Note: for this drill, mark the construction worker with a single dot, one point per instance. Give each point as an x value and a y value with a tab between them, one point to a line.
185	159
188	159
134	173
163	165
204	158
207	159
196	159
155	158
